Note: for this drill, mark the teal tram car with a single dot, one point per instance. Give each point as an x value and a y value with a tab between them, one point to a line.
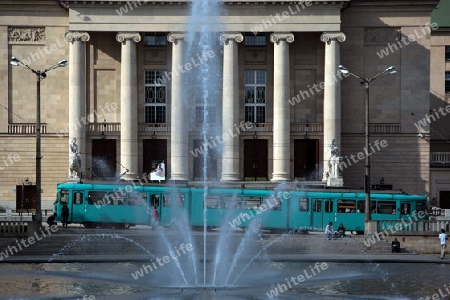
125	205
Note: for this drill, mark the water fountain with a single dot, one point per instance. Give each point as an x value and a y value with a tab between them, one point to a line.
224	265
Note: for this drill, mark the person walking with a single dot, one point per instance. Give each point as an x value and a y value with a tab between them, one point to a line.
443	239
65	215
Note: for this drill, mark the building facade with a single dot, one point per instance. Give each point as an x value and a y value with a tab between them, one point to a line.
255	95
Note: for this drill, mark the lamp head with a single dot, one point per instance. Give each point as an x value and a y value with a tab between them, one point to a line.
390	68
392	72
62	63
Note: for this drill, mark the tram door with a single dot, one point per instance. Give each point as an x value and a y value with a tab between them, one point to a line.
301	214
78	208
317	213
323	212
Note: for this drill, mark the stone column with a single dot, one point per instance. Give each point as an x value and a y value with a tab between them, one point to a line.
230	106
128	104
179	132
77	95
281	108
332	98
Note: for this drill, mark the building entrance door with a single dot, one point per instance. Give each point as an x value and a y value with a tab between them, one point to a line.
255	159
306	159
154	152
103	159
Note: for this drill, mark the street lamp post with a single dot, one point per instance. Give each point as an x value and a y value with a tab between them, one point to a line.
365	82
40	75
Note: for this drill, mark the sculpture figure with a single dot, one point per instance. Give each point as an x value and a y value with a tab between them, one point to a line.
74	159
333	161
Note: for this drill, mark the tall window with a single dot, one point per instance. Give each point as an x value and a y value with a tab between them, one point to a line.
155	39
155	96
447	52
251	39
447	82
255	96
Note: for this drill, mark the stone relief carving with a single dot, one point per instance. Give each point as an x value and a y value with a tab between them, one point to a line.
381	35
26	34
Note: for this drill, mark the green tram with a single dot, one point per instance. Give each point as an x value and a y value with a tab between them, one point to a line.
124	205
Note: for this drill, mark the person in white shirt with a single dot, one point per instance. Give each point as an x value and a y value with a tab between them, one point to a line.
329	232
443	239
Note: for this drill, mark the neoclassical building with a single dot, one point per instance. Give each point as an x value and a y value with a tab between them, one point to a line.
232	92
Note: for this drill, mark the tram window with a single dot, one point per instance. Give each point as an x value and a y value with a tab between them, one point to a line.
276	202
361	207
166	202
386	207
155	200
317	207
230	201
116	199
64	196
180	201
346	206
373	207
99	198
303	204
213	202
77	198
251	202
421	207
406	208
137	199
328	206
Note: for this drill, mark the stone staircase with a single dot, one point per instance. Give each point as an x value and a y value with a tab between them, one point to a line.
317	243
128	243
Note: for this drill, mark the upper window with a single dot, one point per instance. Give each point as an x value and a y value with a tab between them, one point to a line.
251	39
155	96
255	96
155	39
447	52
447	82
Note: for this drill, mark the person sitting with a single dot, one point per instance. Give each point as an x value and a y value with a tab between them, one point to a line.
51	220
341	231
329	232
395	246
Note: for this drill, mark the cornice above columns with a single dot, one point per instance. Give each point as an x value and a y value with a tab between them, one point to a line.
173	37
128	36
327	37
227	36
276	37
72	36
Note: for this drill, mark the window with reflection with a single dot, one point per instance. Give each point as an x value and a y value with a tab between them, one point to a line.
405	208
99	198
303	204
135	198
386	207
329	206
346	206
77	198
255	96
317	206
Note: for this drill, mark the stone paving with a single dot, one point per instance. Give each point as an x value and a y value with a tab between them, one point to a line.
78	244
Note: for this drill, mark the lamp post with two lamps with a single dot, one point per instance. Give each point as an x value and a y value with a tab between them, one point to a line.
365	82
40	75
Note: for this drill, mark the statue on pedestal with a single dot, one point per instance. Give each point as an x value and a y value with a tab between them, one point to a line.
74	159
333	161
